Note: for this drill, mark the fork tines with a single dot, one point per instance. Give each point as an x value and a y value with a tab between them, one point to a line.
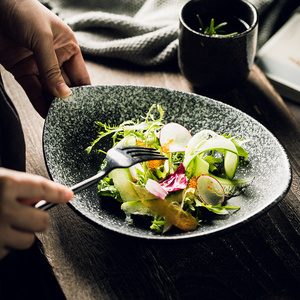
136	151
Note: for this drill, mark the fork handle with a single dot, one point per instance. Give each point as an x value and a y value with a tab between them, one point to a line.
88	182
43	205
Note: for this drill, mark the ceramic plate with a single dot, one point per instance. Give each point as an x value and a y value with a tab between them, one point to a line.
70	127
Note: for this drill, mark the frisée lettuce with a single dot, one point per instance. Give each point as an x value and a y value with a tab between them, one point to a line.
196	179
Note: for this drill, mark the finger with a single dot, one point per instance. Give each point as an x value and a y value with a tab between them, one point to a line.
16	239
49	69
27	218
33	187
65	76
42	189
75	68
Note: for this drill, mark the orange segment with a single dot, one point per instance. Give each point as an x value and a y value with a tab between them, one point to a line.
173	213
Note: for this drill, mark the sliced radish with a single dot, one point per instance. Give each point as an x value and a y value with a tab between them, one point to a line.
174	137
210	190
156	189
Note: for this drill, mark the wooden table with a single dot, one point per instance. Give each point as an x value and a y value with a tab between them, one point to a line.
258	261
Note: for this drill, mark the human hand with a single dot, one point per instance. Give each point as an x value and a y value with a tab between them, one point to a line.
18	219
40	50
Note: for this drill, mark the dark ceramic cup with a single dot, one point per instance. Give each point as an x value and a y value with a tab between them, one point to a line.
214	63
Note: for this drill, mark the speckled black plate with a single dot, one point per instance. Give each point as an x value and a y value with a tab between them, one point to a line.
69	129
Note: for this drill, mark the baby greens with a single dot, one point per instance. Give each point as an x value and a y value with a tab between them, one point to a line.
190	186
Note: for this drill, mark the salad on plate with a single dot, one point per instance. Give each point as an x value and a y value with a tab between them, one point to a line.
197	178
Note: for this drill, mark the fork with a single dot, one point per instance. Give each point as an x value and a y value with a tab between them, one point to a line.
117	157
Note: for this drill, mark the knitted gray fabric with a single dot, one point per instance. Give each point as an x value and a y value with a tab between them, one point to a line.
143	32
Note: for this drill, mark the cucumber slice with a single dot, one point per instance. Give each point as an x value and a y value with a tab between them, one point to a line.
231	161
136	208
202	167
123	183
234	187
218	143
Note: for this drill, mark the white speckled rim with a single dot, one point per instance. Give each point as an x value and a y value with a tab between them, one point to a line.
69	129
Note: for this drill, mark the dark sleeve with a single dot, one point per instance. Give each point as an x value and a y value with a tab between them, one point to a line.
24	274
12	144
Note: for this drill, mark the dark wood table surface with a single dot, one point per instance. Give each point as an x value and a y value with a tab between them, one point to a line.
258	261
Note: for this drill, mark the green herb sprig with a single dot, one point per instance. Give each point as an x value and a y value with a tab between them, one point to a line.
213	30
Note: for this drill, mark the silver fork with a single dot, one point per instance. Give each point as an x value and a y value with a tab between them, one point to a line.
117	157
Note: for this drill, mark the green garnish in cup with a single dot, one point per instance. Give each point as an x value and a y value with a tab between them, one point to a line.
213	30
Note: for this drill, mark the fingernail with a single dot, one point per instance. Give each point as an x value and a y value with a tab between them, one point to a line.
63	90
68	195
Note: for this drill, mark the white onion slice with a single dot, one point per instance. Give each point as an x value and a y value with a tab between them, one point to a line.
156	189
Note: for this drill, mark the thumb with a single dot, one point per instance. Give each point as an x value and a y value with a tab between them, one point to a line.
50	74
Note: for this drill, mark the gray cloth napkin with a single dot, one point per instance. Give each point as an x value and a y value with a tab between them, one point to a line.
143	32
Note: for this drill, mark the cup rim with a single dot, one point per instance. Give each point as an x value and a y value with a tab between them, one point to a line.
251	27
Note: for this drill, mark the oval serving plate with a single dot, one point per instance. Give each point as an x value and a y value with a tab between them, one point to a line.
70	127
